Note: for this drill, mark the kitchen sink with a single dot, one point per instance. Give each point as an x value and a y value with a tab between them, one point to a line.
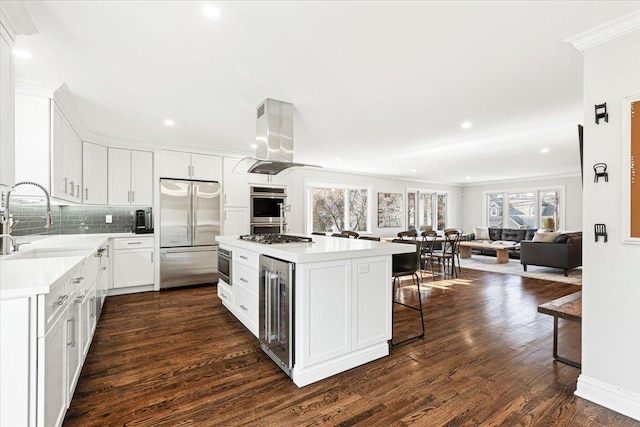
47	253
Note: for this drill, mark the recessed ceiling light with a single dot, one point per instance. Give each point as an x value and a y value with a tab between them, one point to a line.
210	11
254	145
413	171
21	53
337	159
468	178
169	122
465	125
544	150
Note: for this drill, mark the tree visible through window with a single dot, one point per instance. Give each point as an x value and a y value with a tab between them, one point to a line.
426	208
334	209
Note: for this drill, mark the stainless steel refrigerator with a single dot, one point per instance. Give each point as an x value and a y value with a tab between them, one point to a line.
189	224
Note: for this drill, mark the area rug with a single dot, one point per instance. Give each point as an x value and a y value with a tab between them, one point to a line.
488	263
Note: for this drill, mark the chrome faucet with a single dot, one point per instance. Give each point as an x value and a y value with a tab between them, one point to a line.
5	219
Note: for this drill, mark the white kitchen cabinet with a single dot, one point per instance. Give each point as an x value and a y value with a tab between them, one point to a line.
245	288
235	197
264	179
66	158
16	334
133	260
52	374
33	143
327	289
59	349
130	177
74	337
182	165
235	221
235	184
88	313
7	141
94	174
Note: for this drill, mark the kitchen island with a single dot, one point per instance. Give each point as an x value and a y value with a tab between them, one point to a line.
341	300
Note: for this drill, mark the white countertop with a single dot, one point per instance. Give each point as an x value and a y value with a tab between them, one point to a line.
27	277
323	248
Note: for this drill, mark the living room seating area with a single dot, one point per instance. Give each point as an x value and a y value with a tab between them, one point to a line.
540	247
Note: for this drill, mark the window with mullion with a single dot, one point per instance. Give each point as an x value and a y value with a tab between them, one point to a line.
334	208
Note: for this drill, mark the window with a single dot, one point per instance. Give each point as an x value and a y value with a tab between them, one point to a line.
426	208
525	209
334	208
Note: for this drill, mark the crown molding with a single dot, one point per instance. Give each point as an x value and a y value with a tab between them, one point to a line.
606	32
16	19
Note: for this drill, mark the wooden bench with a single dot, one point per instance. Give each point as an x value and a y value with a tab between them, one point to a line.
569	307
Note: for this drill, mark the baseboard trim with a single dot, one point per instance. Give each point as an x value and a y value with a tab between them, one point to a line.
622	401
320	371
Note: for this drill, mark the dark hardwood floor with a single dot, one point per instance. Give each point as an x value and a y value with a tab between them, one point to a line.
179	358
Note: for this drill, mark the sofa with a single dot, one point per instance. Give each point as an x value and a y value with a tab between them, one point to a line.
501	236
560	250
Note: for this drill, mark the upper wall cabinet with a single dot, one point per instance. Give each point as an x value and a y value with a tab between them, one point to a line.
94	174
262	179
177	164
66	182
7	174
33	143
130	177
235	184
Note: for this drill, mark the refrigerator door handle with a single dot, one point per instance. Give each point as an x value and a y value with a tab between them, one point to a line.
194	207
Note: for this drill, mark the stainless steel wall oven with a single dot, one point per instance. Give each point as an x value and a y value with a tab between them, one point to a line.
266	204
276	311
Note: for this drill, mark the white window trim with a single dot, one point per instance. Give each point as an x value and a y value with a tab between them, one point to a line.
308	211
434	219
536	191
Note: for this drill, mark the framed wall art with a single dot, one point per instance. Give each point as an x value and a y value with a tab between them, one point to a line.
389	210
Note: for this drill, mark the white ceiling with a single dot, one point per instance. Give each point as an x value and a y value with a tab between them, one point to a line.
383	86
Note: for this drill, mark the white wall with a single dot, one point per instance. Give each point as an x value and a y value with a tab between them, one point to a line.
570	208
296	195
611	272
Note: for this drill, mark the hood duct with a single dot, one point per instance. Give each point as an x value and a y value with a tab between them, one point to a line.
274	138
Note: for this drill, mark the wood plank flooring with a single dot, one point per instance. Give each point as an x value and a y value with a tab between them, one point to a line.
179	358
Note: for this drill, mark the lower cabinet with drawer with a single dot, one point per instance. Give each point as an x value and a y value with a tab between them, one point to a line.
60	357
241	295
44	340
133	261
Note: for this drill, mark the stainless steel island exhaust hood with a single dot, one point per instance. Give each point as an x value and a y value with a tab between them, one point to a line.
274	138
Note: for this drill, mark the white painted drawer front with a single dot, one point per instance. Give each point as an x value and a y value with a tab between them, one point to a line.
54	302
247	258
245	277
246	307
133	243
225	294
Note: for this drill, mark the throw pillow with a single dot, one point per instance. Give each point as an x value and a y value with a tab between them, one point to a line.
481	233
547	237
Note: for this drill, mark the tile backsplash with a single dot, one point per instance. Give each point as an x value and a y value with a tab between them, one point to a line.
28	215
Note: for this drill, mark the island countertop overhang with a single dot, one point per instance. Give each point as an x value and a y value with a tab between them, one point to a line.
323	248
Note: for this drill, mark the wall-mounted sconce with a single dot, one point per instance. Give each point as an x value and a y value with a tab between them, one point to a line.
601	113
600	230
600	170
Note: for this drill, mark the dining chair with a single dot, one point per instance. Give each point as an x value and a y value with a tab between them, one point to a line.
318	233
377	239
344	236
406	264
412	234
450	251
351	234
426	251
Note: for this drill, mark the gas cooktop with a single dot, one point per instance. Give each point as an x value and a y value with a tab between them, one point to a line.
271	238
